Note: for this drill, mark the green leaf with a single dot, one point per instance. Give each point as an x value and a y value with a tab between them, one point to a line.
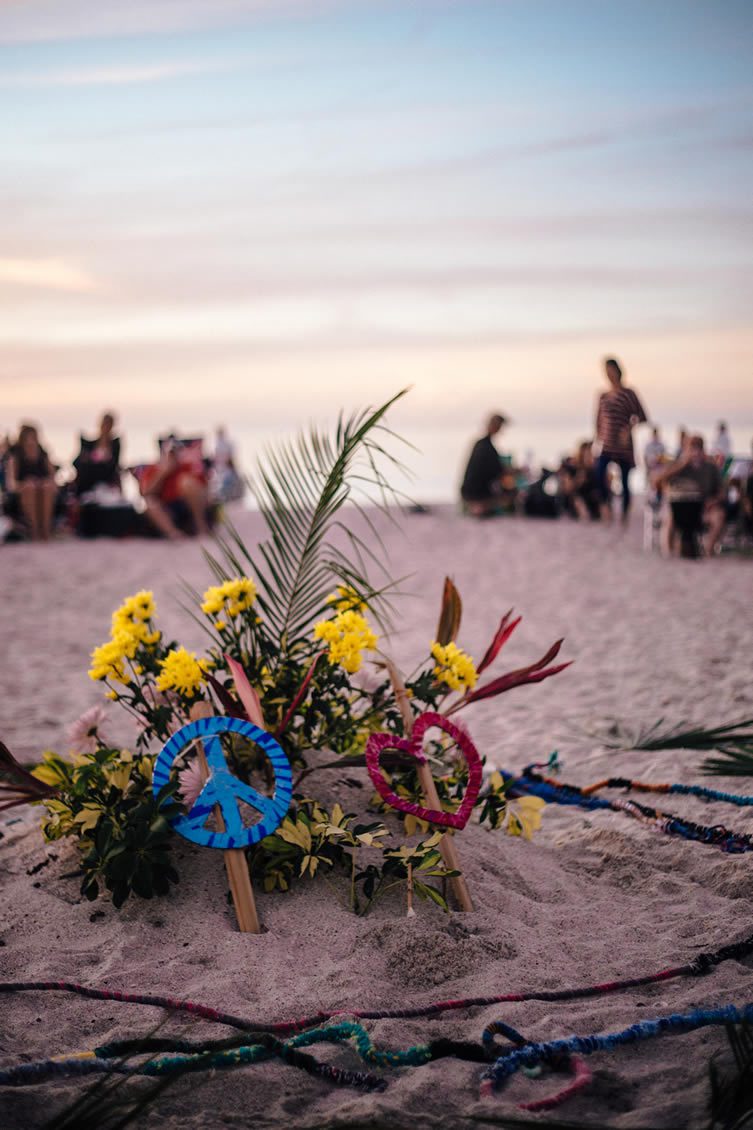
423	890
300	488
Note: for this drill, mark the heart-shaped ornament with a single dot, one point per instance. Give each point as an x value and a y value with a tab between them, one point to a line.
414	746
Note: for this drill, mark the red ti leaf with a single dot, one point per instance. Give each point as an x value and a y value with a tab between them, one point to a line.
299	696
534	673
18	785
502	635
230	705
246	693
449	614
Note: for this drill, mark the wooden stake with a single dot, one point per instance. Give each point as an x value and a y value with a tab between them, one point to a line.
447	847
235	858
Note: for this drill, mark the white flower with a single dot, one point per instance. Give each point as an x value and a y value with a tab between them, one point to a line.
83	735
192	781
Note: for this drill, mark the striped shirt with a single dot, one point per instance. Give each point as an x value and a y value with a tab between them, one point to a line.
613	423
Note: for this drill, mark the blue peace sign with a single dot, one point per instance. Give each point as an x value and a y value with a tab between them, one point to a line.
223	788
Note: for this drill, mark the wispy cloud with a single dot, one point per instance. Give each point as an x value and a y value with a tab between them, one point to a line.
124	75
47	274
35	21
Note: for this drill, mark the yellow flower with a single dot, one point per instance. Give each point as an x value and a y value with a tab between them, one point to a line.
346	599
453	667
181	671
108	660
112	695
230	598
220	625
348	635
139	607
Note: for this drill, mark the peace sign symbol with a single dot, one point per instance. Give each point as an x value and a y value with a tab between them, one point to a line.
223	789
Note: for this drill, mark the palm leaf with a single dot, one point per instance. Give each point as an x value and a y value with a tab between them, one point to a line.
732	1095
732	738
301	487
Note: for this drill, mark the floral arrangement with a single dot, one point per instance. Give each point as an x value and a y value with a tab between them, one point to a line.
300	620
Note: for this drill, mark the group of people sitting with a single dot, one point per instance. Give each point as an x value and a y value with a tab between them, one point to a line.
693	493
179	492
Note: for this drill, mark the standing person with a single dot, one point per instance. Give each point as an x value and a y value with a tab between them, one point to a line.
721	448
98	461
654	452
619	410
31	479
482	481
227	483
682	441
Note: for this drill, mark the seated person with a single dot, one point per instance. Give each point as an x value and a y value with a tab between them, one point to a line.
30	484
481	490
98	461
578	484
175	491
693	488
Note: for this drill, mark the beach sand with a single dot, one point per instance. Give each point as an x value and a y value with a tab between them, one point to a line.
594	897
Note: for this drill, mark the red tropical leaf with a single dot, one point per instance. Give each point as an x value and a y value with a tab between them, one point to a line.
534	673
18	785
449	614
299	695
246	693
502	635
229	704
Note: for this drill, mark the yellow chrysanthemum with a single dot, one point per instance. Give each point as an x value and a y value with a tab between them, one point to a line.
108	660
230	598
137	630
181	671
139	607
454	667
348	635
346	599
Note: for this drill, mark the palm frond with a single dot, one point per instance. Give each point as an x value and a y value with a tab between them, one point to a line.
732	1095
301	487
731	739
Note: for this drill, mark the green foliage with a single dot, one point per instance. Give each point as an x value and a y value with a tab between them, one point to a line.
288	628
301	487
313	842
105	799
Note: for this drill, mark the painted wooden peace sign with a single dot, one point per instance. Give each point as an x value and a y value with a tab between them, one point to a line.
223	789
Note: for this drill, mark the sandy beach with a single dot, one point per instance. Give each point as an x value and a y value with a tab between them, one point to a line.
595	897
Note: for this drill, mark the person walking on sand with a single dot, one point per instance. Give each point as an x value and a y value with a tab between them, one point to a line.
618	411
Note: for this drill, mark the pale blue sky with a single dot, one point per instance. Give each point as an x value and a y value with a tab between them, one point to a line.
258	209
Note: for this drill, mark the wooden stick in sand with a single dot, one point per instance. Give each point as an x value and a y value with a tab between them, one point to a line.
235	858
428	787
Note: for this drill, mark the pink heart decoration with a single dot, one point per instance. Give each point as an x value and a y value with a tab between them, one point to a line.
414	746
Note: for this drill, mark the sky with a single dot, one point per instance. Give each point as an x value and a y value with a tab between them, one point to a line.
259	212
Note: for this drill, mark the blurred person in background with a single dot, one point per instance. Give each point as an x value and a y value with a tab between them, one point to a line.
481	490
98	461
578	485
617	413
175	493
693	486
721	447
30	483
654	452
